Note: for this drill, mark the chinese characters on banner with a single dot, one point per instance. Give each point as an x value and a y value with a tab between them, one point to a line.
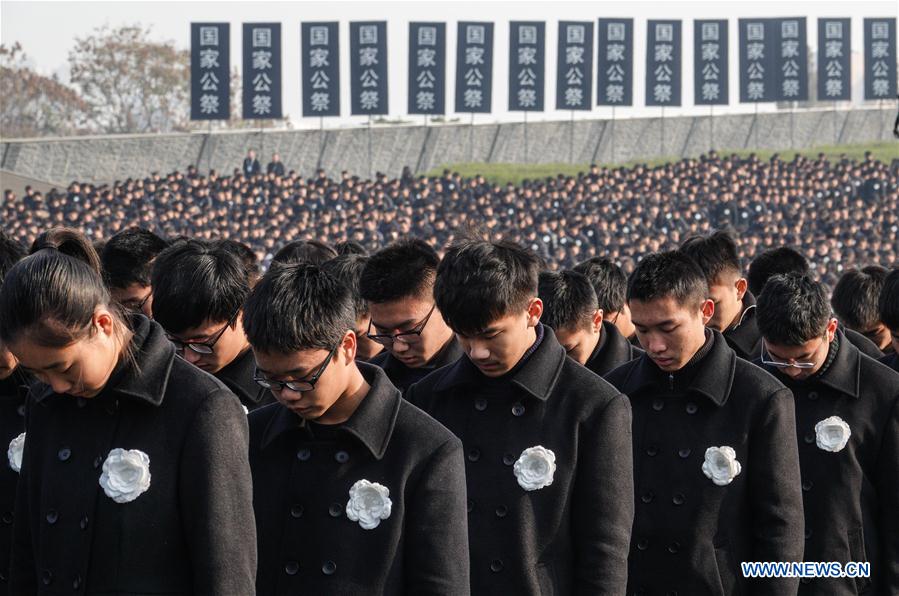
756	61
210	93
261	71
427	68
663	63
834	67
474	67
615	62
526	65
880	58
321	69
574	69
792	59
368	68
710	66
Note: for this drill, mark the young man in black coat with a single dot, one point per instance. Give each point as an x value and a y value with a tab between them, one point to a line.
714	439
127	260
547	442
199	288
398	284
889	314
569	307
855	301
610	285
847	421
356	491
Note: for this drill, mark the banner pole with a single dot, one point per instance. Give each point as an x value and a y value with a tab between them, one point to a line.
526	154
662	135
711	127
571	140
613	134
836	134
471	139
370	166
321	141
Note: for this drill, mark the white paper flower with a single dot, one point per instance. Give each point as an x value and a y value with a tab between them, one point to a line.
832	434
16	446
535	468
369	503
126	474
721	465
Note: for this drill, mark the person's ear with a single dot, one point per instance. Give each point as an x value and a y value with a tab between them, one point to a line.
742	285
103	322
831	330
597	320
535	311
708	310
348	346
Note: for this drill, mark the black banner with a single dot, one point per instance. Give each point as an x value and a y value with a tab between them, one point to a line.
663	63
321	69
574	70
261	71
427	68
834	66
210	59
880	58
368	67
527	65
615	62
474	67
792	59
710	63
757	61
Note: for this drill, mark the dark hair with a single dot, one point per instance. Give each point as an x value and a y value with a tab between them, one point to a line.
313	252
247	257
11	252
296	307
889	300
715	254
405	268
479	282
195	281
609	282
792	309
771	262
347	269
127	257
69	242
350	247
569	300
856	297
668	274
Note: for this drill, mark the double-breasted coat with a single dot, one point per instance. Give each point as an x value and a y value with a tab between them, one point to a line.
611	351
403	377
238	377
744	338
851	494
190	532
12	423
690	534
567	537
302	476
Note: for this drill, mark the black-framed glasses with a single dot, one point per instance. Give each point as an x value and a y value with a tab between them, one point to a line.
203	347
766	359
300	386
137	305
407	337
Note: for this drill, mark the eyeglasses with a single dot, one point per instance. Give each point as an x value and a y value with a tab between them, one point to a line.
301	386
407	337
779	364
137	305
203	347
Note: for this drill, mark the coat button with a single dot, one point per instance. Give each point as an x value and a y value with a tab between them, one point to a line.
671	593
85	521
684	453
808	533
342	457
678	499
76	583
64	454
805	580
809	437
496	565
47	577
643	544
52	516
673	547
508	459
474	455
658	404
8	518
652	450
291	567
502	511
807	485
80	402
335	510
692	408
647	497
296	511
518	409
21	411
329	567
470	505
480	404
98	461
304	454
813	395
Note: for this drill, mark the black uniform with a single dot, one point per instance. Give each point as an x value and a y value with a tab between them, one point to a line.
302	475
865	345
238	377
744	337
690	534
891	360
403	377
191	532
571	536
12	423
611	351
851	495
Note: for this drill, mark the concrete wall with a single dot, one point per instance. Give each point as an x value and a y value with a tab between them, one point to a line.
107	158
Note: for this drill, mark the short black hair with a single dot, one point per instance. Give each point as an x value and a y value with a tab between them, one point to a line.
127	257
792	309
347	269
609	282
11	252
774	261
715	254
889	300
403	269
350	247
313	252
195	281
569	300
246	255
479	282
856	297
668	274
297	307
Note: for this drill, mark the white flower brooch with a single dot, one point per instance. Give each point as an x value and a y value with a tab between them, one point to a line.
16	446
369	503
832	434
126	474
721	465
535	468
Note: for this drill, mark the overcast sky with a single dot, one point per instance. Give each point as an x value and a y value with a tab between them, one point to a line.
47	31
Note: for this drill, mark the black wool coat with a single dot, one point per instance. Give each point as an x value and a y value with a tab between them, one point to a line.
191	532
302	476
12	423
691	534
238	377
744	338
865	345
403	377
891	360
570	537
852	495
612	351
